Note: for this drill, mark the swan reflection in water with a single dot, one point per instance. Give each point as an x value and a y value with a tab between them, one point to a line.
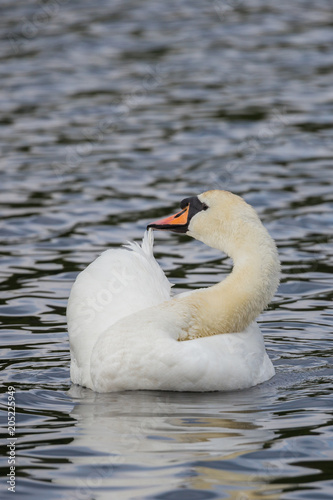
195	441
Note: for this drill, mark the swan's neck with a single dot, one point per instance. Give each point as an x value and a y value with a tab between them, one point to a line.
230	306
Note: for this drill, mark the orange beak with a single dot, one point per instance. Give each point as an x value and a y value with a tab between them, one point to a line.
177	223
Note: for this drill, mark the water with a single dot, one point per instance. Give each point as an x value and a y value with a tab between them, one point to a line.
111	113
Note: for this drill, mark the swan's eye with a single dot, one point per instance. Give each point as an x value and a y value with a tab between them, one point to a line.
204	206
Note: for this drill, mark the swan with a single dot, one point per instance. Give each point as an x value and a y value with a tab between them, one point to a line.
127	332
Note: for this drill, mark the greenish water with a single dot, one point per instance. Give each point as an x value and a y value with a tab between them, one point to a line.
111	113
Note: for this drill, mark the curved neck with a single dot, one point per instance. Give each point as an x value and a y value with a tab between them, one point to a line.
230	306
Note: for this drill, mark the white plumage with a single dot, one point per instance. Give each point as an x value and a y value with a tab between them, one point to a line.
128	333
117	284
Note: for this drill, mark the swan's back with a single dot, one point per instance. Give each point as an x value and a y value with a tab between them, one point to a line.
117	284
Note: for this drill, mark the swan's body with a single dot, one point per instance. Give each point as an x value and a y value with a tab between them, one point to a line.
127	332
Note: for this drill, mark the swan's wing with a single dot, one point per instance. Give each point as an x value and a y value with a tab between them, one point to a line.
117	284
159	362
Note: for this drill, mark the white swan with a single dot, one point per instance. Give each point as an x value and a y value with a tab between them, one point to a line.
127	332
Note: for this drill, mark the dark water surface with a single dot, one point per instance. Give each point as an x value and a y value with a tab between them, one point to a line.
111	113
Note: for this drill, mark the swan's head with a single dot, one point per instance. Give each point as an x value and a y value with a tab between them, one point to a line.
219	219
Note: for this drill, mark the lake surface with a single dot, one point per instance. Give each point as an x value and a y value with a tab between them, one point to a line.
111	113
